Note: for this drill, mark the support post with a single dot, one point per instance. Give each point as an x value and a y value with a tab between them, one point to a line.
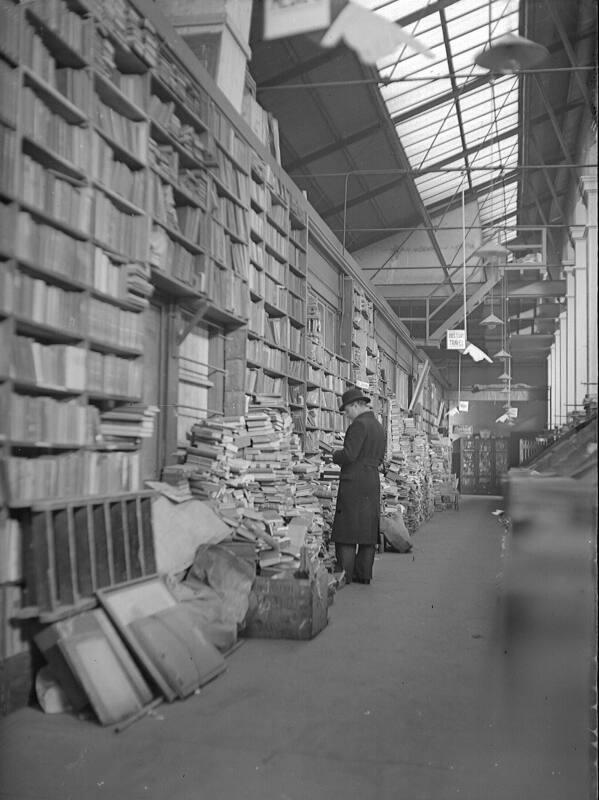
579	235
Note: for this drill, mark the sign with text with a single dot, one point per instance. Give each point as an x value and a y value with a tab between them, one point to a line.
463	430
463	405
456	340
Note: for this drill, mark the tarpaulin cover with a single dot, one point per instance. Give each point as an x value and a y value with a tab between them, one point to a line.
180	528
208	609
229	576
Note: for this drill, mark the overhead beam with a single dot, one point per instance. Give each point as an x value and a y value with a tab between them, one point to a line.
404	291
471	303
455	91
538	289
423	11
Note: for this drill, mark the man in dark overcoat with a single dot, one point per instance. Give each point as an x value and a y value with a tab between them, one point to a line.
358	501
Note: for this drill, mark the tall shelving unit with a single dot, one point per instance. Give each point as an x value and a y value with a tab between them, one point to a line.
74	332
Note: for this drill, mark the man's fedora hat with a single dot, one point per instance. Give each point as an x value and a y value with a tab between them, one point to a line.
351	396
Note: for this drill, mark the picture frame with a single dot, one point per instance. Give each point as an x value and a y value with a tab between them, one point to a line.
132	601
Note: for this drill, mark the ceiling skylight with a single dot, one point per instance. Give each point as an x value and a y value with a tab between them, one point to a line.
448	116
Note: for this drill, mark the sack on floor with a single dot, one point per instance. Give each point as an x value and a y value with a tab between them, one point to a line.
396	534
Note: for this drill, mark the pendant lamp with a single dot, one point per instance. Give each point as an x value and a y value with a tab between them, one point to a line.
502	354
491	322
492	250
510	54
503	377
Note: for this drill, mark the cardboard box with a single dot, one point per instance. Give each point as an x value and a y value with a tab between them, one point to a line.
288	608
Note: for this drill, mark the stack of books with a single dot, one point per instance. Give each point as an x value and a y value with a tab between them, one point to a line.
127	423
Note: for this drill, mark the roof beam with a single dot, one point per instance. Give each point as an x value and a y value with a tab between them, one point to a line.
424	11
471	303
537	289
455	92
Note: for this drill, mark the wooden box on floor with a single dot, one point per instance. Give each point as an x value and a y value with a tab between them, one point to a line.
288	608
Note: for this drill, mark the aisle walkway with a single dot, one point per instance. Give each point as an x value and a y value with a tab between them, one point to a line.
393	701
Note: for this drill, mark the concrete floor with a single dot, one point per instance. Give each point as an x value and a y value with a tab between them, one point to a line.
404	696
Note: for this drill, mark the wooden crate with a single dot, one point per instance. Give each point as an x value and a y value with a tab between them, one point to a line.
288	608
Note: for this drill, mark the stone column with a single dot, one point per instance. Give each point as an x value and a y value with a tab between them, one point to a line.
558	377
579	234
589	193
571	329
552	386
564	366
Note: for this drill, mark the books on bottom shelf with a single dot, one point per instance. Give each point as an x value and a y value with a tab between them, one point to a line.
75	474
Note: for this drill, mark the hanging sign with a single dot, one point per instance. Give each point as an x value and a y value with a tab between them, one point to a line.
456	340
463	405
463	430
290	17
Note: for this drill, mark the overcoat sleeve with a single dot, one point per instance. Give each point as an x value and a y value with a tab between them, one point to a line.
352	444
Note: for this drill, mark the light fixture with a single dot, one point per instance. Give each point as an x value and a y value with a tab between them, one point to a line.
511	53
491	321
502	354
503	377
492	250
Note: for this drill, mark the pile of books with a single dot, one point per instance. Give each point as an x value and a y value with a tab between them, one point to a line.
212	455
127	423
253	472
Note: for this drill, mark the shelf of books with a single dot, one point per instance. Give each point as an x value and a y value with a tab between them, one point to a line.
328	376
74	260
277	285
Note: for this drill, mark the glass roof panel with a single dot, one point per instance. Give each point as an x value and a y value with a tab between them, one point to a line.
483	119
